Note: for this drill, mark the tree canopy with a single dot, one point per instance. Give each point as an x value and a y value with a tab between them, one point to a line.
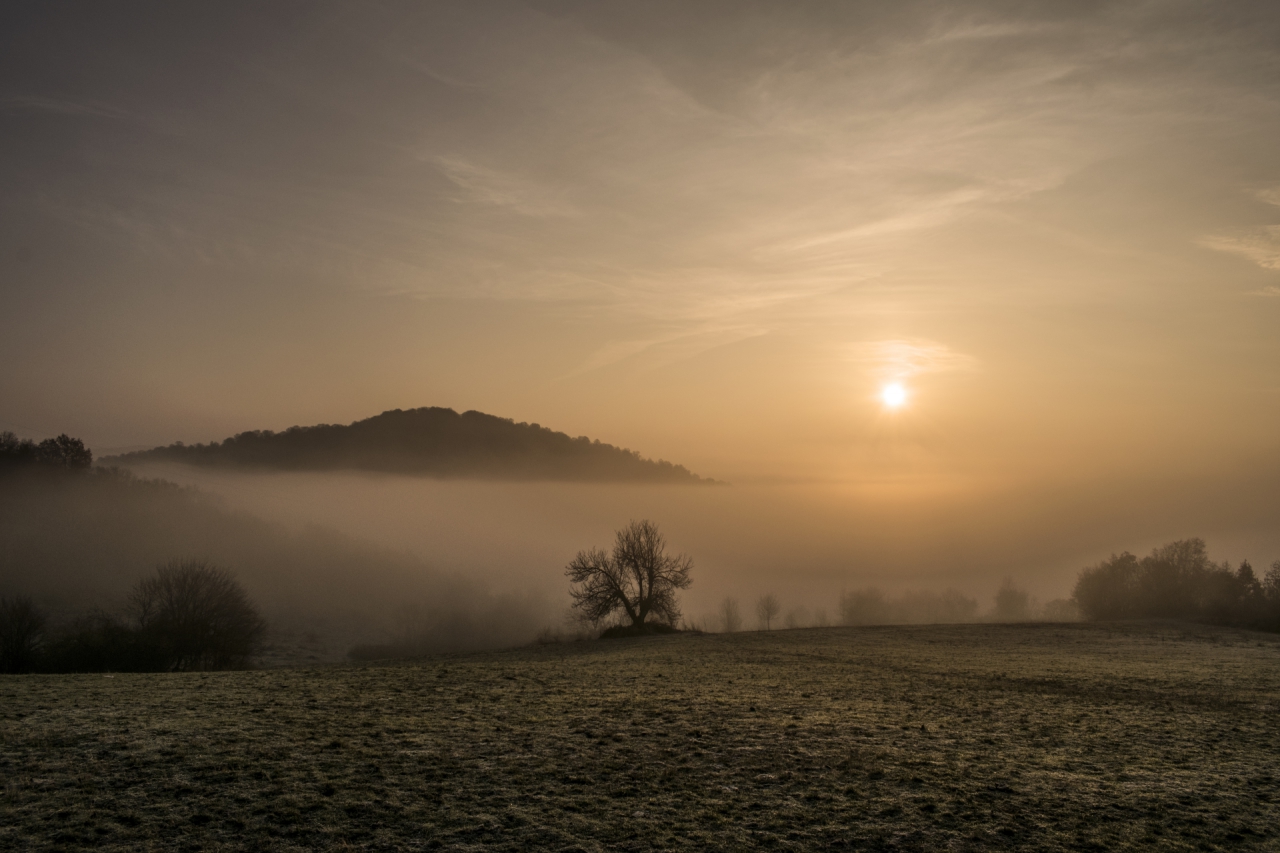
1179	581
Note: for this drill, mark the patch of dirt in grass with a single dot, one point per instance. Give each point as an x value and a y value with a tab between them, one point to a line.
963	738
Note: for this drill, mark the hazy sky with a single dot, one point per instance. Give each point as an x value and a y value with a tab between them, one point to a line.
707	231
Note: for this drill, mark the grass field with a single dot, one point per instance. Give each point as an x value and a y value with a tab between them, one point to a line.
928	738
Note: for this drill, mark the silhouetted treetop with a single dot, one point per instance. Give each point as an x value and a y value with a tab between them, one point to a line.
61	452
431	441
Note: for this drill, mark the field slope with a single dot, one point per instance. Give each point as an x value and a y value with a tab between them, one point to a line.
927	738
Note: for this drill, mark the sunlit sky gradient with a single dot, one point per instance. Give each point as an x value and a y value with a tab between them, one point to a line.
711	232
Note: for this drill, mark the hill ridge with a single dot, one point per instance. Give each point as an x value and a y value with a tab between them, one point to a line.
428	441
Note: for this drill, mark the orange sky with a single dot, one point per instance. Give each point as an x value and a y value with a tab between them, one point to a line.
709	232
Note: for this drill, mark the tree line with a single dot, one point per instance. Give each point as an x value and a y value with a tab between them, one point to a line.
62	452
1179	581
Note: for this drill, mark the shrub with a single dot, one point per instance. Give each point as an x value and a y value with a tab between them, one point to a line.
196	616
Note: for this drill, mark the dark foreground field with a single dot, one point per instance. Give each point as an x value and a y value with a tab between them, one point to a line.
957	738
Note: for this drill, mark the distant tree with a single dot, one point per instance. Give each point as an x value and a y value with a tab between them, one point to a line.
1271	583
1012	604
1270	604
862	607
22	627
797	617
730	616
196	616
64	452
1109	590
15	452
1248	590
767	609
638	578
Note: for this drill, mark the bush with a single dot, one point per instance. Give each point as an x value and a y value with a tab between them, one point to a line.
196	616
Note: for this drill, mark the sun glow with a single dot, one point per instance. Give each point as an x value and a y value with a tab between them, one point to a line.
893	395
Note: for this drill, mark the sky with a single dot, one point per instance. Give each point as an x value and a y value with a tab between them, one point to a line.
709	232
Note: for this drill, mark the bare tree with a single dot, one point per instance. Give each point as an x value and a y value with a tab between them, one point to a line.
197	616
21	633
767	609
730	617
638	578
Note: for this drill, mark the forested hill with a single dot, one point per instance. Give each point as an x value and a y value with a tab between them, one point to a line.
431	442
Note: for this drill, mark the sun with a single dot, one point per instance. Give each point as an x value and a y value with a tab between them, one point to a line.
893	395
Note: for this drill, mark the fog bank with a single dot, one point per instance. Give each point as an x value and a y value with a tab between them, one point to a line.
806	543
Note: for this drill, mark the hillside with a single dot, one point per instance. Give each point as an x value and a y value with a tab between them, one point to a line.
433	442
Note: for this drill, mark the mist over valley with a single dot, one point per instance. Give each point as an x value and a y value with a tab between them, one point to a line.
350	558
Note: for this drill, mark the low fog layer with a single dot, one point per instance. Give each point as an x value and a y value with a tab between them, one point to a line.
807	544
410	564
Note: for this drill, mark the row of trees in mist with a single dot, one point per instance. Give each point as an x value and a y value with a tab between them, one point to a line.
872	606
188	615
1179	581
1175	581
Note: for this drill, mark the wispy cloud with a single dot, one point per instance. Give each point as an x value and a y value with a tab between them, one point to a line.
1261	246
904	358
437	75
1271	195
484	185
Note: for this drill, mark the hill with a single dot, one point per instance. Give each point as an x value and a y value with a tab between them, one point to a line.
434	442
